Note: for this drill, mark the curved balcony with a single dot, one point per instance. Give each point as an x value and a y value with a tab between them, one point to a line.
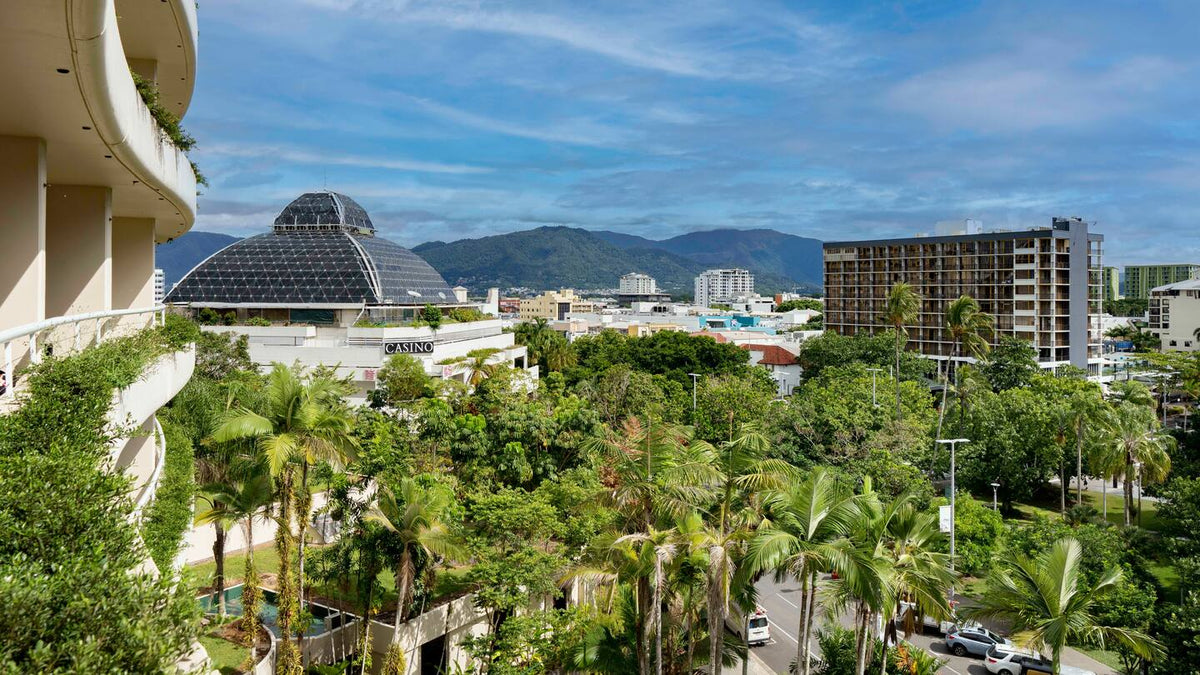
163	185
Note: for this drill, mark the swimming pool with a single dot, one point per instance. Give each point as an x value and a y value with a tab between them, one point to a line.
323	620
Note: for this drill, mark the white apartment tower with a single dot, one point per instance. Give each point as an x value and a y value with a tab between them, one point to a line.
723	286
636	283
160	283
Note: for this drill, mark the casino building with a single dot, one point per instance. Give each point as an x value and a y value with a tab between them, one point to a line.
322	289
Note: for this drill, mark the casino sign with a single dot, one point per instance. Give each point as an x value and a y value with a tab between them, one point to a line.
407	347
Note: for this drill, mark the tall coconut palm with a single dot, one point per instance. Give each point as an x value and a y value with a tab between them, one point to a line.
415	517
241	501
659	474
969	328
302	422
1082	410
901	307
808	524
1048	603
1133	431
660	547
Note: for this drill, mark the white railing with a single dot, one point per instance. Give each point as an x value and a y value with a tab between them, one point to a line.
160	456
33	330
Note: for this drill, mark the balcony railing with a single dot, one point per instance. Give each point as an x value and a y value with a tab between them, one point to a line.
34	331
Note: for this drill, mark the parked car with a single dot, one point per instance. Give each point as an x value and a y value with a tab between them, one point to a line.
1006	660
1036	665
975	640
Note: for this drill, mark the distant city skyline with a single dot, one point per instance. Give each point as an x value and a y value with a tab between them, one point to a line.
829	120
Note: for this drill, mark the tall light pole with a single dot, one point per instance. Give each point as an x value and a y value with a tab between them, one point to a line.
874	402
995	486
695	378
953	443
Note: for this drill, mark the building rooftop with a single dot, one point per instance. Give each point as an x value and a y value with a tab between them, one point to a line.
321	250
1189	285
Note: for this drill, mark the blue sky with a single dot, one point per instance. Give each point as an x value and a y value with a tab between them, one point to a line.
834	120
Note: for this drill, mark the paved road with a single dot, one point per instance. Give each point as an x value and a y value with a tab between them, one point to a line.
782	602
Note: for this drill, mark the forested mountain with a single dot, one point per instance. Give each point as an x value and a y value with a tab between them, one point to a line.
566	257
177	257
766	252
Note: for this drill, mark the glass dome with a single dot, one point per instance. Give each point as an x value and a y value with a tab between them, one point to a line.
321	250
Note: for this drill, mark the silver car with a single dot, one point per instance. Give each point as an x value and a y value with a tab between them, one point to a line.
975	640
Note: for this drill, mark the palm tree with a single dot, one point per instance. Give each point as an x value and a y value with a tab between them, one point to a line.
901	307
659	475
302	422
970	329
1081	410
808	524
415	516
1048	603
1133	432
660	547
240	501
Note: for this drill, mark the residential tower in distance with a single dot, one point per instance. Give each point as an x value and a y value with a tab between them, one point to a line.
1174	311
1111	282
1042	285
1141	279
638	287
723	286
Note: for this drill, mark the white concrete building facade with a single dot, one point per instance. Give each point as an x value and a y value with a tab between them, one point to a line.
1175	315
723	286
636	283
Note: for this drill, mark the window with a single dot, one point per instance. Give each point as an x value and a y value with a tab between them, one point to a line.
1172	343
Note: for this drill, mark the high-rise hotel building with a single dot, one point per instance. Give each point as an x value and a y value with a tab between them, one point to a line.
1042	285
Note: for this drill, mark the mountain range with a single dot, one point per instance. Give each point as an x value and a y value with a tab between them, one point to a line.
568	257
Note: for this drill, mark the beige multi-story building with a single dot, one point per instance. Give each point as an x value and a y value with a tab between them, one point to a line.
1042	285
1140	279
636	283
554	305
1175	315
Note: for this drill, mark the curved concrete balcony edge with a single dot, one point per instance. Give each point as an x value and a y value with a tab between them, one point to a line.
118	113
162	379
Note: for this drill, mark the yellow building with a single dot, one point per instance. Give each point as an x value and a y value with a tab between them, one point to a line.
554	305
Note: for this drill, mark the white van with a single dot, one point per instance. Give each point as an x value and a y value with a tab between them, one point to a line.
754	629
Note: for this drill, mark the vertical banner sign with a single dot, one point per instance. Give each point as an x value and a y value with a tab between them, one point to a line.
945	517
407	347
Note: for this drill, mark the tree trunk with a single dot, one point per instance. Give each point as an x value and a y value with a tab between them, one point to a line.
658	571
1062	487
402	575
865	647
809	618
716	608
219	577
1104	496
1079	462
303	516
802	628
899	344
643	646
688	634
1127	491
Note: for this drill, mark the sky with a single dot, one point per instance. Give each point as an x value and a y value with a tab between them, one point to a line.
836	120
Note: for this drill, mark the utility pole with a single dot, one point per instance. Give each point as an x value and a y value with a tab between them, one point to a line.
695	378
953	443
995	486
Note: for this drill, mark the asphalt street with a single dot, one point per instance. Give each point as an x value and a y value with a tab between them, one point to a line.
782	602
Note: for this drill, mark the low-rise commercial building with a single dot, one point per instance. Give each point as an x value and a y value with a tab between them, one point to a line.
1041	285
1175	315
554	305
1141	279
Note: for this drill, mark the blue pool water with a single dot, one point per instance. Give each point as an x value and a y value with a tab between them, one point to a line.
269	612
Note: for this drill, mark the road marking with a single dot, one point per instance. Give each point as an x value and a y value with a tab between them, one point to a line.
787	601
781	630
947	666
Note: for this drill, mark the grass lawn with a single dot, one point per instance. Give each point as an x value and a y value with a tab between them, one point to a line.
226	657
1115	514
1110	659
1168	576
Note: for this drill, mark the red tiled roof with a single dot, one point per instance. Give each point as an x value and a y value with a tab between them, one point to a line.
716	336
773	355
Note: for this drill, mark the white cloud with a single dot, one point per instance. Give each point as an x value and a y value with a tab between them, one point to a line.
577	132
301	156
1032	90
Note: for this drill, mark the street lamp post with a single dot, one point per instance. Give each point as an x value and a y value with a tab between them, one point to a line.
995	486
695	378
874	371
1138	467
953	443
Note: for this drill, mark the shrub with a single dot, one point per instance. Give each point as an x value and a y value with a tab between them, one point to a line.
977	533
170	514
257	321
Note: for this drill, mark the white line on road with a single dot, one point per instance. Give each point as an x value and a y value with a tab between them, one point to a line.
781	630
947	666
787	601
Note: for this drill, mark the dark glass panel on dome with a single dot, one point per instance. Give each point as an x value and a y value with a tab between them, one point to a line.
404	277
324	208
292	267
